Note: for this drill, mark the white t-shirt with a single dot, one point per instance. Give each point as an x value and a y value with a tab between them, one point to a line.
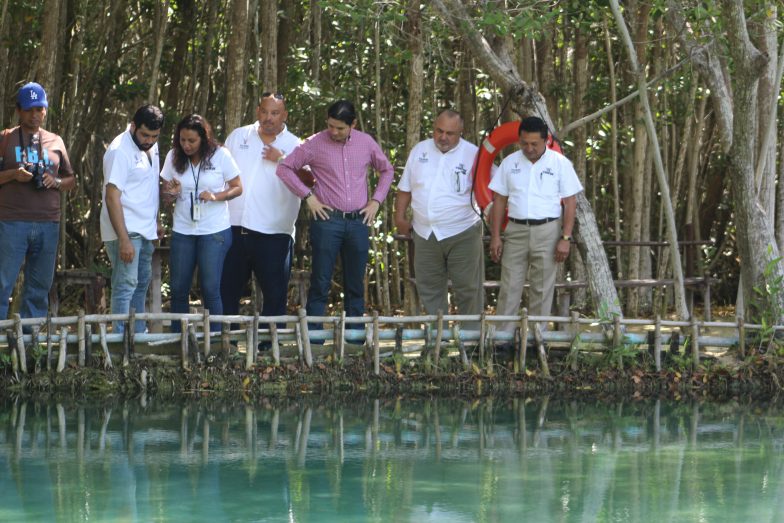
266	205
440	187
136	176
212	176
535	189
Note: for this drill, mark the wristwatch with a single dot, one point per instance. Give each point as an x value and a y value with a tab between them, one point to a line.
58	182
567	238
305	198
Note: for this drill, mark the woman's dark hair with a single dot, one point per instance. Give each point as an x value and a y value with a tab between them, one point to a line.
533	124
342	110
207	148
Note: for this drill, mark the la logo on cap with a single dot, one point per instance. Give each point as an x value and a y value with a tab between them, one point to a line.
33	95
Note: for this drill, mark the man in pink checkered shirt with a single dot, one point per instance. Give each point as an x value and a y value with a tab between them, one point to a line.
339	158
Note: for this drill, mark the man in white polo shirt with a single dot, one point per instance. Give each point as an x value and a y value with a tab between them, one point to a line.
129	215
436	183
262	218
534	182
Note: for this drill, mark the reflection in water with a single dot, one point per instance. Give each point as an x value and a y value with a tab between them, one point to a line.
390	460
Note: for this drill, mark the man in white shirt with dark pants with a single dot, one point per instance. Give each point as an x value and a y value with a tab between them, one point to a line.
263	217
535	182
436	183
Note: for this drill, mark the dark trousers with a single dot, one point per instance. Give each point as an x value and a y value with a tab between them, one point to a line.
269	257
330	238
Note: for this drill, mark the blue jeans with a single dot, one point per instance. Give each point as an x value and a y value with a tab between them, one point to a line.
35	245
130	280
269	257
328	238
207	251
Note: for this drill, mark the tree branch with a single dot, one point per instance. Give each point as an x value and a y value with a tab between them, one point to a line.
499	67
626	99
707	63
746	55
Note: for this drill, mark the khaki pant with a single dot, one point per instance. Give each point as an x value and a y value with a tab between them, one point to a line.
459	258
529	255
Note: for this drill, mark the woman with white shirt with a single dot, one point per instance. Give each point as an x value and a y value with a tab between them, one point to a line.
202	176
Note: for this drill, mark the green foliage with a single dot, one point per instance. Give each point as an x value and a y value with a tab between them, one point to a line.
767	308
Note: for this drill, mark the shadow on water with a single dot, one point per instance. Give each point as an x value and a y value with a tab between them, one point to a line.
390	460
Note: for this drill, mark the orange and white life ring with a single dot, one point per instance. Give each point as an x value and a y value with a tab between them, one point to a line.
502	136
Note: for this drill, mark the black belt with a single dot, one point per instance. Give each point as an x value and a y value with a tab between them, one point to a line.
532	222
353	215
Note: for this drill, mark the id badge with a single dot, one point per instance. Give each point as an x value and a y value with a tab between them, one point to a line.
195	208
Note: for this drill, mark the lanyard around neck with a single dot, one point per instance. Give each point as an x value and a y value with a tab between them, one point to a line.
196	175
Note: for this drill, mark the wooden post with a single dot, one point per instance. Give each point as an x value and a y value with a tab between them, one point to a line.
131	330
126	342
88	339
34	343
695	334
540	346
398	351
706	298
461	345
376	348
11	336
741	336
107	359
186	357
48	342
80	338
439	333
342	337
616	331
255	336
206	329
523	338
482	334
303	327
335	335
657	344
273	328
20	346
426	346
62	353
193	341
573	350
226	337
155	296
300	350
250	362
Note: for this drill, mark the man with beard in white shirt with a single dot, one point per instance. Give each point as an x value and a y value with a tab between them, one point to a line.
129	216
263	217
447	233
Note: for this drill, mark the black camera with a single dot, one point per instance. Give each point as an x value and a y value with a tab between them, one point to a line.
37	169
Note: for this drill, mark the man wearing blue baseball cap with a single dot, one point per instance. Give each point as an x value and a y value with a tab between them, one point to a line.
34	168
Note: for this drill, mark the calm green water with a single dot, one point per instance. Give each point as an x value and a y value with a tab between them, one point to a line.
407	460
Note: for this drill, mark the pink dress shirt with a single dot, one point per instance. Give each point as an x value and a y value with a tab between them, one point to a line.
340	170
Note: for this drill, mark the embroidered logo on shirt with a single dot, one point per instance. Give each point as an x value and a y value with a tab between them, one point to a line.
516	169
546	171
244	145
423	158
